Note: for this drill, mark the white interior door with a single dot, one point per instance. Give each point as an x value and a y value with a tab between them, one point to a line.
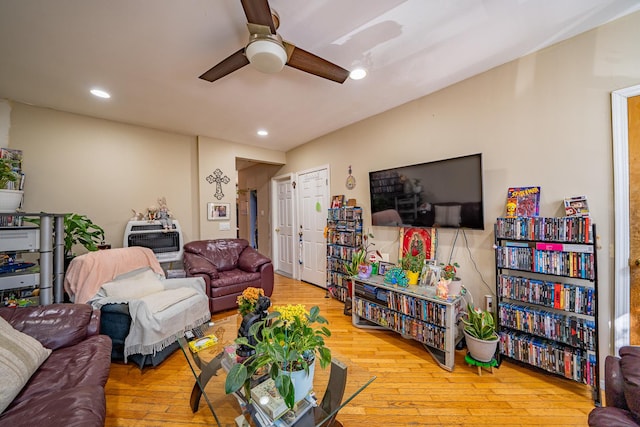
283	215
312	218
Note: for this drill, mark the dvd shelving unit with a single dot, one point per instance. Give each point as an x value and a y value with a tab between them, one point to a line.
344	237
547	283
414	312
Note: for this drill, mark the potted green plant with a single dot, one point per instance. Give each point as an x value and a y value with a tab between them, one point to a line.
450	275
78	229
360	264
288	340
480	333
10	198
412	265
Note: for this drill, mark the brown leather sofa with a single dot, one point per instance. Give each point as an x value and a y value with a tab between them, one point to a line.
68	388
622	391
228	267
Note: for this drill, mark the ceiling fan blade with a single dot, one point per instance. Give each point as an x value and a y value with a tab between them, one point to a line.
234	62
259	12
310	63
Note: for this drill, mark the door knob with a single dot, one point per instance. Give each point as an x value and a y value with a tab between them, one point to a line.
277	230
637	262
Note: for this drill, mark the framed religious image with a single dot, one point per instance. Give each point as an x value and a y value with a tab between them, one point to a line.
337	201
383	267
218	211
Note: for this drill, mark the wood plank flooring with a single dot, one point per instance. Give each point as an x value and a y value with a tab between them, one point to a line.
410	389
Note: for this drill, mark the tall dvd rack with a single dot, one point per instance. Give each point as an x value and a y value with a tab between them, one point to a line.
344	237
547	283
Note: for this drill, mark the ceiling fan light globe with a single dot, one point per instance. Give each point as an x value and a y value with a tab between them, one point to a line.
266	55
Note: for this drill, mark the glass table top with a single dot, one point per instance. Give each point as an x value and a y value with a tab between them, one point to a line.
209	366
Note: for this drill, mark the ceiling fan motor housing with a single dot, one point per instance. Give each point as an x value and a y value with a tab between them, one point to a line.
266	54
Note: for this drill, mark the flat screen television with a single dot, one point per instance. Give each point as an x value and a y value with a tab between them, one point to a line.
443	193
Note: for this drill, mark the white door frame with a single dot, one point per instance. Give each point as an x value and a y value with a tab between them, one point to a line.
297	220
622	277
291	177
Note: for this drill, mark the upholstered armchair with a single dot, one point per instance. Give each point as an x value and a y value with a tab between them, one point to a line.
143	312
622	391
228	267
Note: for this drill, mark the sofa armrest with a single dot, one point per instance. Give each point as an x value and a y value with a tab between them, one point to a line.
266	278
56	325
195	265
251	260
614	383
630	369
196	283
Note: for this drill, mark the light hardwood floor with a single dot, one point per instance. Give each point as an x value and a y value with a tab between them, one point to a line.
410	389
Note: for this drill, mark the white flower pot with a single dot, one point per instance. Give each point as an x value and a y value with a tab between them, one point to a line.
481	350
302	383
10	200
455	287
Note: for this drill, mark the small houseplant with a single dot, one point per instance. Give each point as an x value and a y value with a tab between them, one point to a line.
289	339
480	333
10	196
449	278
7	174
412	265
360	264
248	299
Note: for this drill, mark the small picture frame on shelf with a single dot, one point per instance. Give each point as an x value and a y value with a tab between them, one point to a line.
430	273
383	267
337	201
218	211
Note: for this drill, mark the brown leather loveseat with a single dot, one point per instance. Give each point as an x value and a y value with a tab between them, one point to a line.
228	267
622	391
67	389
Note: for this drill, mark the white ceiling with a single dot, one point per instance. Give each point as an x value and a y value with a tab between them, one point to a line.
149	54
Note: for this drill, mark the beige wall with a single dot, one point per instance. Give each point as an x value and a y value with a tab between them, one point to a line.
218	154
104	169
542	120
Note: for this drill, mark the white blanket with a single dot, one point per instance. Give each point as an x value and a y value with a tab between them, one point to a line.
159	319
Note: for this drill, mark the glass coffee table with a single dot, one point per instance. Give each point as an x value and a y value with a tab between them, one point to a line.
337	384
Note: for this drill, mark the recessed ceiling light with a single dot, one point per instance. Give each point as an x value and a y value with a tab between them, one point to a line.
100	93
262	132
358	73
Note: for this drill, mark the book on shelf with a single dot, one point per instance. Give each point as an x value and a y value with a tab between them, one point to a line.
576	206
564	247
523	202
266	397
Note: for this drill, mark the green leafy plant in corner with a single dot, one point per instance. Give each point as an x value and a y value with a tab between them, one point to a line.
288	339
78	229
480	324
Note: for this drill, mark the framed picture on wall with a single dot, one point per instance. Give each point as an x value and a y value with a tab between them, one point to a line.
217	211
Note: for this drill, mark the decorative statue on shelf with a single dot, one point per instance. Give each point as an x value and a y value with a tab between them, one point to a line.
163	215
249	320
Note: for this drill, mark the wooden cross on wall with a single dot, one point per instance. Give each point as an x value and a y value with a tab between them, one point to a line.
219	179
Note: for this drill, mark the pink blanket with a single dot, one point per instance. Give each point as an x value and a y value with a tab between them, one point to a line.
88	272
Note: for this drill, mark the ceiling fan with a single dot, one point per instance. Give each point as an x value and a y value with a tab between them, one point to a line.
268	52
